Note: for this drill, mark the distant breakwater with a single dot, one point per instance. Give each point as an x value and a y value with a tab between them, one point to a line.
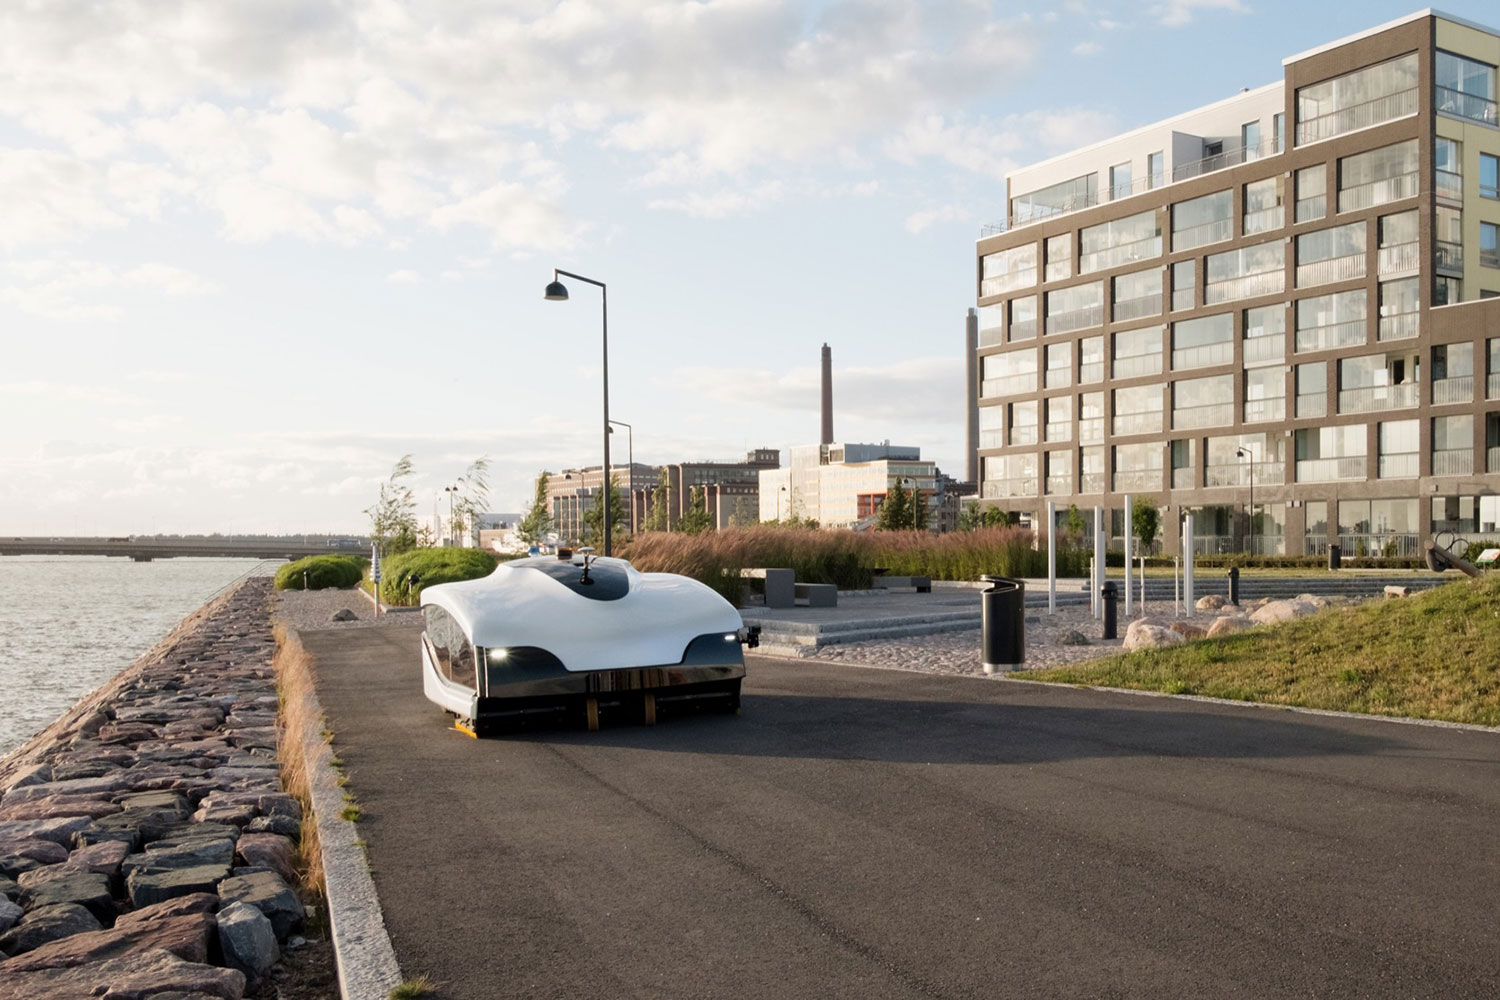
145	838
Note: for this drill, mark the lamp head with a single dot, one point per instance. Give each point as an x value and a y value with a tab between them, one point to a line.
556	292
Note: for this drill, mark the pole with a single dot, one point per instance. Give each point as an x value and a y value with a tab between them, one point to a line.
1252	503
1187	567
1051	557
604	345
1099	570
1129	534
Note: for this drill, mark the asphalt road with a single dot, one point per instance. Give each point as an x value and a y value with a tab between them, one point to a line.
870	834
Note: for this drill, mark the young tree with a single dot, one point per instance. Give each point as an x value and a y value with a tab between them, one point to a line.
393	517
744	513
969	517
657	518
895	511
473	498
593	518
1146	520
1075	524
538	520
697	520
919	511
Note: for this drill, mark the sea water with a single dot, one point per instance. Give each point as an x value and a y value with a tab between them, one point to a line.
70	623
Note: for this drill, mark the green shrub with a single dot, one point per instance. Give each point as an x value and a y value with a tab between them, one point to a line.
431	566
321	572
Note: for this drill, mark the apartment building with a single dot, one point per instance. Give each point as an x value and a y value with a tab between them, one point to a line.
1277	312
842	485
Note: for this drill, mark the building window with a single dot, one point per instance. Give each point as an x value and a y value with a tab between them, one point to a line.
1492	372
1464	88
1119	181
991	426
1312	192
1201	221
1263	206
1023	423
1357	100
1331	321
1010	476
1250	140
1057	199
1446	291
1378	176
1448	238
1202	343
1399	251
1137	353
1399	448
1453	445
1278	124
1059	257
1448	170
1138	410
1203	402
1327	255
1265	335
1059	425
1246	273
1452	373
1090	416
1008	271
1138	467
1091	469
1265	395
1059	473
1316	531
1400	302
1075	308
1156	169
1059	372
1312	390
1378	527
991	324
1375	383
1009	374
1137	295
1123	241
1489	175
1184	285
1489	244
1090	359
1023	318
1330	454
1183	464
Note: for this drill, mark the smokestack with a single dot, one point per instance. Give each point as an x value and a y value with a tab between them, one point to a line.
827	396
971	428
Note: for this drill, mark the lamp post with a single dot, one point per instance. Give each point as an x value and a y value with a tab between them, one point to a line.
1247	454
452	492
630	471
780	491
558	292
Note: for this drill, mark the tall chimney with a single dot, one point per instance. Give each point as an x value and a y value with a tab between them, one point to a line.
827	396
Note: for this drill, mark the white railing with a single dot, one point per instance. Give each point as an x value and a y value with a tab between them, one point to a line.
1492	386
1058	432
1123	253
1010	385
1142	481
1182	479
1010	281
1024	329
1357	116
1401	466
1315	207
1389	544
1350	333
1075	319
1379	192
1261	350
1058	378
1260	410
1128	309
1400	327
1001	488
1398	259
1091	372
1459	389
1059	269
1470	106
1137	423
1447	184
1139	364
1492	460
1322	272
1059	485
991	438
1212	415
1246	287
1203	356
1091	482
1314	404
992	336
1378	397
1091	429
1238	474
1201	235
1264	220
1023	434
1453	462
1327	470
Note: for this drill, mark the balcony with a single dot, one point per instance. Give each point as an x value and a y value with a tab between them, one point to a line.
1143	481
1323	272
1461	105
1075	319
1116	256
1062	431
1449	256
1129	309
1058	378
1091	372
1264	220
1453	462
1375	398
1381	192
1184	479
1010	281
991	438
1265	350
1260	410
1401	258
999	489
1492	386
1388	544
1402	326
1449	185
1357	116
1137	423
1091	429
1247	287
1212	415
1023	329
1350	333
1492	460
1202	356
1136	365
1091	482
1059	485
1009	385
1238	474
1023	434
1202	235
1406	465
1459	389
1312	404
1312	208
1329	470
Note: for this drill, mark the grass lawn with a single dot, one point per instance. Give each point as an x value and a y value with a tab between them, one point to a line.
1432	656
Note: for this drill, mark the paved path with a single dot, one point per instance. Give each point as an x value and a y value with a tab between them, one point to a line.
873	833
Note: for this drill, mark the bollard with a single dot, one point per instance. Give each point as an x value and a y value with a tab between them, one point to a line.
1107	593
413	580
304	579
1234	585
1335	556
1002	624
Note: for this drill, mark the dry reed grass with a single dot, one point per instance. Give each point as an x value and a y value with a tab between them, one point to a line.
295	720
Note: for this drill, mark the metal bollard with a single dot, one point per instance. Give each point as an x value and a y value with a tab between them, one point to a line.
1107	594
1002	624
1234	585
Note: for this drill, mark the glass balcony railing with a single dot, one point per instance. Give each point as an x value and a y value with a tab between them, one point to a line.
1075	319
1010	385
1137	423
1402	326
1058	378
1062	431
991	438
1398	259
1312	404
1325	338
1002	488
1261	410
1449	256
1265	350
1328	470
1372	399
1137	365
1091	429
1141	481
1238	474
1091	482
1023	434
1011	281
1093	371
1447	184
1492	386
1264	220
1322	272
1470	106
1453	462
1212	415
1357	116
1401	466
1459	389
1202	235
1492	460
1381	192
1059	485
1202	356
1123	253
1129	309
1246	287
1183	479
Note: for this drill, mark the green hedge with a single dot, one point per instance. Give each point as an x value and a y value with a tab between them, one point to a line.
432	566
321	572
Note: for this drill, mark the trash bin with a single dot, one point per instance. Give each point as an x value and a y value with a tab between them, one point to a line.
1002	623
1335	556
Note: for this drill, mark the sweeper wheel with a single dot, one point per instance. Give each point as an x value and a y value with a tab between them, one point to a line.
648	710
591	714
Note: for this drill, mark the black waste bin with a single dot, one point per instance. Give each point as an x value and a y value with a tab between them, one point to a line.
1002	623
1335	556
1234	585
1107	594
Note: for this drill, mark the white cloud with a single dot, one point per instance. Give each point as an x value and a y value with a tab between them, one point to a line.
73	290
1176	13
919	221
1087	49
406	276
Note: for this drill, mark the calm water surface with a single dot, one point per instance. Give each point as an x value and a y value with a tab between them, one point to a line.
70	623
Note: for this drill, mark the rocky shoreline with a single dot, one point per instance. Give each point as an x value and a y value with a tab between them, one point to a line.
147	848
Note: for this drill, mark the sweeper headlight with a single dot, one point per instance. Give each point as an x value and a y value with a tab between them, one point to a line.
499	655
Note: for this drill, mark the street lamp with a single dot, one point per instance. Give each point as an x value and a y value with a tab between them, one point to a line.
1246	453
630	471
452	492
778	502
558	292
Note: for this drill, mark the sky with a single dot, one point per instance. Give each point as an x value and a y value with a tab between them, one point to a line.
253	253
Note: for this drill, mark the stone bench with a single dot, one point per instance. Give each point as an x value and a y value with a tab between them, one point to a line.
817	595
922	584
783	590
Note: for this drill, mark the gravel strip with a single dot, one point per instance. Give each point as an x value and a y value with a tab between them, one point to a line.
314	609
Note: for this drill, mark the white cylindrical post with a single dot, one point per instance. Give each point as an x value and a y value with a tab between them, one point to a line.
1187	566
1143	586
1128	534
1051	557
1099	571
1176	585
